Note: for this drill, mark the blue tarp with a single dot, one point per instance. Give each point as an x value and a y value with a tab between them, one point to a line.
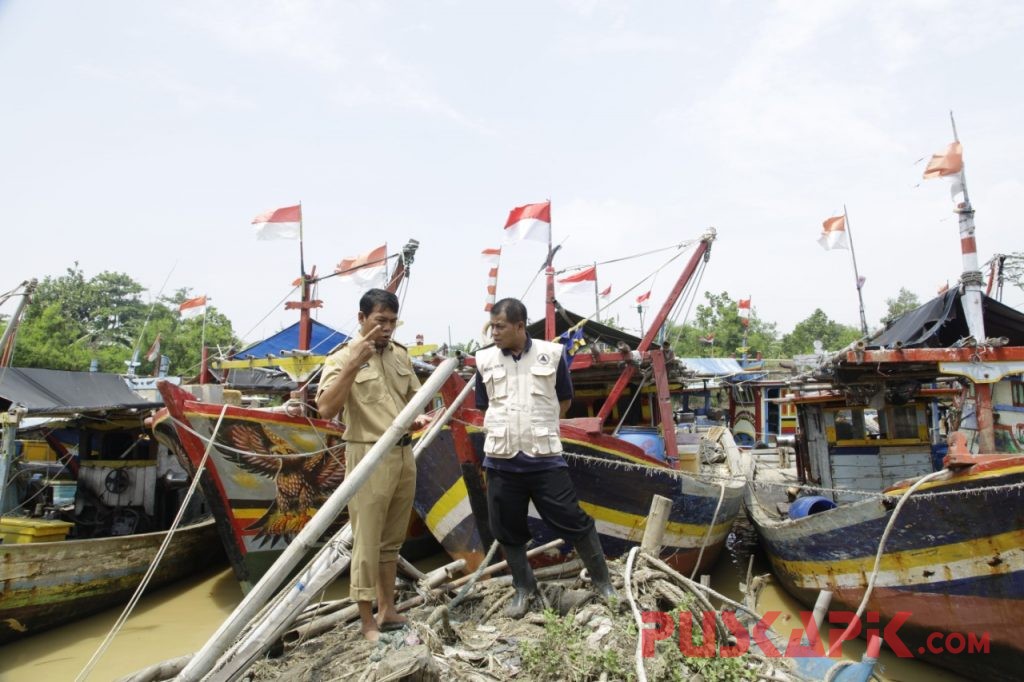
323	340
713	367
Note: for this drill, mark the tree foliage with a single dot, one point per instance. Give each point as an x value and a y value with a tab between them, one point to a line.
818	327
904	302
73	320
718	321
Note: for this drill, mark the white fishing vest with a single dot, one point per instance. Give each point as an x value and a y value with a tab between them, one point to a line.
522	412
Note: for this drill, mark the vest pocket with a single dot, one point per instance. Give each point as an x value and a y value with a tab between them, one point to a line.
547	442
496	380
496	439
542	381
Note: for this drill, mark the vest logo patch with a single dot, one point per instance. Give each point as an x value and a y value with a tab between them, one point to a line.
543	358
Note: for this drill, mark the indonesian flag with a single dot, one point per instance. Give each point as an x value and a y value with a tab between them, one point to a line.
154	350
708	340
587	277
607	292
193	307
491	256
281	223
743	310
948	162
833	234
532	221
366	269
642	298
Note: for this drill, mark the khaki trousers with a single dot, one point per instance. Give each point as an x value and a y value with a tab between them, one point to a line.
379	513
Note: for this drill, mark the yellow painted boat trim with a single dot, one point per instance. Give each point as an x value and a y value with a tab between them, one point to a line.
979	476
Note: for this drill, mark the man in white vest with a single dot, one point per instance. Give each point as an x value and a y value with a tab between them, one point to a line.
524	387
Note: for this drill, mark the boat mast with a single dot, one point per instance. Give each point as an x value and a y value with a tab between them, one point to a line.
702	252
549	294
972	301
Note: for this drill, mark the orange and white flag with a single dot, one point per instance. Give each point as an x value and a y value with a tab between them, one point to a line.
193	307
947	162
579	281
367	268
280	223
833	234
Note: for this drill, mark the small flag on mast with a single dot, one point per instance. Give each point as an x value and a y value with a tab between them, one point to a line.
193	307
743	310
491	256
950	161
281	223
531	222
154	351
833	234
585	278
642	298
366	269
607	292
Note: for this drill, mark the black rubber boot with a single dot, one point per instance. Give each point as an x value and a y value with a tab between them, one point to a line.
589	550
522	580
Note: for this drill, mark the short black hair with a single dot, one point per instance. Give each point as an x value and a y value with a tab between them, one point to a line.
513	309
378	298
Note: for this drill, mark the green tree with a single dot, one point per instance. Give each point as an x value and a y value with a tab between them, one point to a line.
817	327
73	320
904	302
719	319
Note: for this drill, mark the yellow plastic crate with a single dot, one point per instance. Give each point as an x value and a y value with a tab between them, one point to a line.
15	530
38	451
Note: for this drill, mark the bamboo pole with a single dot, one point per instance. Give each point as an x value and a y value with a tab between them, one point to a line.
207	657
329	563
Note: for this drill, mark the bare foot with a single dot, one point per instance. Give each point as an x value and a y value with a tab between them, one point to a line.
370	634
390	618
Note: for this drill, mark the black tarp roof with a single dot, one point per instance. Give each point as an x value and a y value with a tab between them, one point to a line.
594	331
60	392
940	323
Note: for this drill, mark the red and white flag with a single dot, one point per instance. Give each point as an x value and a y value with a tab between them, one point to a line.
532	222
281	223
367	269
491	256
950	161
607	292
193	307
743	310
642	298
154	350
833	234
582	280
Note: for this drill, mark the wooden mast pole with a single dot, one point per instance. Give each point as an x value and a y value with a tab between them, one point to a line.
702	252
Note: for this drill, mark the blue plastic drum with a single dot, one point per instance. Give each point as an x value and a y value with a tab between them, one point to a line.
812	504
646	438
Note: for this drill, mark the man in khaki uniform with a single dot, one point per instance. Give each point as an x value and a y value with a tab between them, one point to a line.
368	381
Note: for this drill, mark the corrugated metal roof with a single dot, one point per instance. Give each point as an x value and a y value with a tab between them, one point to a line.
713	367
323	340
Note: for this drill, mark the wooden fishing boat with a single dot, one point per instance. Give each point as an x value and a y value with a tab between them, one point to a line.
88	500
266	475
615	469
48	584
950	525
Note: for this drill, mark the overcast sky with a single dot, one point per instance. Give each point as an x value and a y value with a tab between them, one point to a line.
142	137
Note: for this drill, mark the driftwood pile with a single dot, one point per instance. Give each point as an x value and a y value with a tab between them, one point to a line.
456	633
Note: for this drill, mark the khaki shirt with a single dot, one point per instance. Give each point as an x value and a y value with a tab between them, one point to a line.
381	389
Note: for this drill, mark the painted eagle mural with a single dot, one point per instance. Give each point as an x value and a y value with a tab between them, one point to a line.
303	481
